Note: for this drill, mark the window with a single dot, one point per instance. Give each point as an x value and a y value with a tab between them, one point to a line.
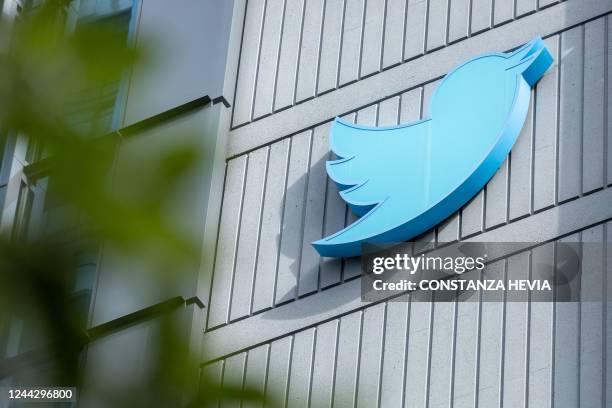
93	109
23	212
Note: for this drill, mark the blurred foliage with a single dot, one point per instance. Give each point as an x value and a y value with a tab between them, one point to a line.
47	72
44	73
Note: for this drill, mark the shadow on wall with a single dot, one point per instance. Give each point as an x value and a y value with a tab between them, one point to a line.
302	272
307	272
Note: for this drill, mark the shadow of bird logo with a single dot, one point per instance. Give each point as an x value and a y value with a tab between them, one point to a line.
403	180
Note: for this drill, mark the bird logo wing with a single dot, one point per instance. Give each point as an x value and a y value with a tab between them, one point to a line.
403	180
377	170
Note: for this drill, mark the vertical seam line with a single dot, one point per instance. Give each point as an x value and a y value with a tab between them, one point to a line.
214	261
261	212
299	55
237	241
246	6
303	215
315	90
259	47
281	33
282	220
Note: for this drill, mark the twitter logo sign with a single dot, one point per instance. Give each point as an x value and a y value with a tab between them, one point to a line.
403	180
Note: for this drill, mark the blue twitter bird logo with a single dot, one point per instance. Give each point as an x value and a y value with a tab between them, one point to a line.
403	180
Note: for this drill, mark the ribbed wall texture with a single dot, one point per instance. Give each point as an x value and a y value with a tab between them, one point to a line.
294	50
272	297
484	352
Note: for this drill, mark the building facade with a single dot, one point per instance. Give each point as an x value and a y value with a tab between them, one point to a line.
282	319
262	80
